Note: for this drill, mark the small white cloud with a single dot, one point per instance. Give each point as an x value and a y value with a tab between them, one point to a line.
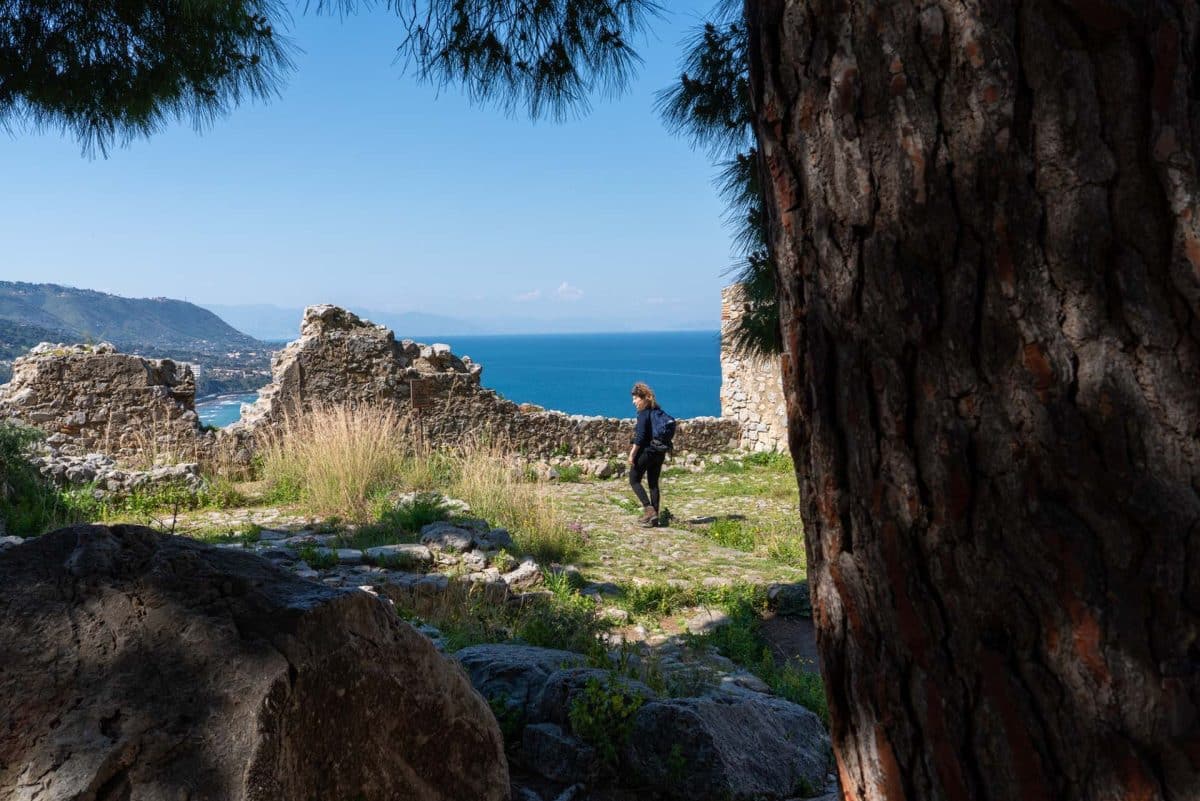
528	296
568	292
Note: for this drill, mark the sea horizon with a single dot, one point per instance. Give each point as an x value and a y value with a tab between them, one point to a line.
588	374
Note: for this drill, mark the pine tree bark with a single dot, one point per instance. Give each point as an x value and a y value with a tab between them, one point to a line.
986	222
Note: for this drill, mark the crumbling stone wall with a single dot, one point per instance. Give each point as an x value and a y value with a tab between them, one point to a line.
95	399
91	398
751	387
340	359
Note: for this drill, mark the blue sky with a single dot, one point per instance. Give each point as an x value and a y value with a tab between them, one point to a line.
361	187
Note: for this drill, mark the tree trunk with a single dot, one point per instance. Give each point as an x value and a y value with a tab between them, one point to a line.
986	221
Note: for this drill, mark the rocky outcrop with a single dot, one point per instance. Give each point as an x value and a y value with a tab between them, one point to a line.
341	360
91	398
726	743
144	667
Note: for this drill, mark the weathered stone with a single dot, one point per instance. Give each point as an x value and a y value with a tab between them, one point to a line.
556	755
62	389
729	746
474	560
790	599
145	667
405	553
90	398
526	575
514	674
751	387
707	620
443	536
67	469
493	539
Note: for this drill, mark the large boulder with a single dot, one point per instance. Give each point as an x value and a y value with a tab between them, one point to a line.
514	675
729	747
144	667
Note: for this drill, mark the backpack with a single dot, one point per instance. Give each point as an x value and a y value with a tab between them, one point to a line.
662	430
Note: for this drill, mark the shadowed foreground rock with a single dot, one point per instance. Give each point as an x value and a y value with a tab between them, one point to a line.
142	667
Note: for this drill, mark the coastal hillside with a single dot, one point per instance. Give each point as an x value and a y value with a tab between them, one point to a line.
87	314
157	327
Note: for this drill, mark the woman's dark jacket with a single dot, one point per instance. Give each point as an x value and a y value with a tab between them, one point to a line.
641	431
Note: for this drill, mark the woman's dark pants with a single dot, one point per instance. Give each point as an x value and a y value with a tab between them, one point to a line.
649	465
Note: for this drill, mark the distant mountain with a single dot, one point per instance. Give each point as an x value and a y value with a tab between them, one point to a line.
228	360
129	323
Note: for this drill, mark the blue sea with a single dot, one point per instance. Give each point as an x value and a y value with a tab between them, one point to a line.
576	373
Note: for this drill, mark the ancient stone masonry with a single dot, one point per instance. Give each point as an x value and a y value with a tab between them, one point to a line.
91	398
340	359
751	387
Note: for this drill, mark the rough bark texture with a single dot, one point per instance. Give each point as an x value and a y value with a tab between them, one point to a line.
985	219
140	667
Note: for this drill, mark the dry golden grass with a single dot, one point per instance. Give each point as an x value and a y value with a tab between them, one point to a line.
502	493
336	461
343	462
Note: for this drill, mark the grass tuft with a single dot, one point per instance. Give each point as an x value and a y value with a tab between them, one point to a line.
336	460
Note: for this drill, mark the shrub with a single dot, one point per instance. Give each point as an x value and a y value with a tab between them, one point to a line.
776	462
570	473
602	715
29	503
566	621
466	616
510	715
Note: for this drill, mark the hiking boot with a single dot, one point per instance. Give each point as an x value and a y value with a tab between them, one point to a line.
649	517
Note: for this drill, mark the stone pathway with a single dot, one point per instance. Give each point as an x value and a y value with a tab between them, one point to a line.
620	549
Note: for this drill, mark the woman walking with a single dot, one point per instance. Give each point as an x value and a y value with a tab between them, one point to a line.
645	458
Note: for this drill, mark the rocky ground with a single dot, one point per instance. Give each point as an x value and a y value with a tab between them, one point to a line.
652	596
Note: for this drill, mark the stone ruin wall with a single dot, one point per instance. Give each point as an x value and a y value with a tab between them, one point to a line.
93	399
342	360
751	387
90	398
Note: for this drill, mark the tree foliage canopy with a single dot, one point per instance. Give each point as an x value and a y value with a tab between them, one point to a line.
106	71
711	106
548	56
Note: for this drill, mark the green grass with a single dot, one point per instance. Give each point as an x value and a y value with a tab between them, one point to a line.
732	534
317	559
570	474
628	504
565	620
400	523
29	503
740	641
775	462
659	599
